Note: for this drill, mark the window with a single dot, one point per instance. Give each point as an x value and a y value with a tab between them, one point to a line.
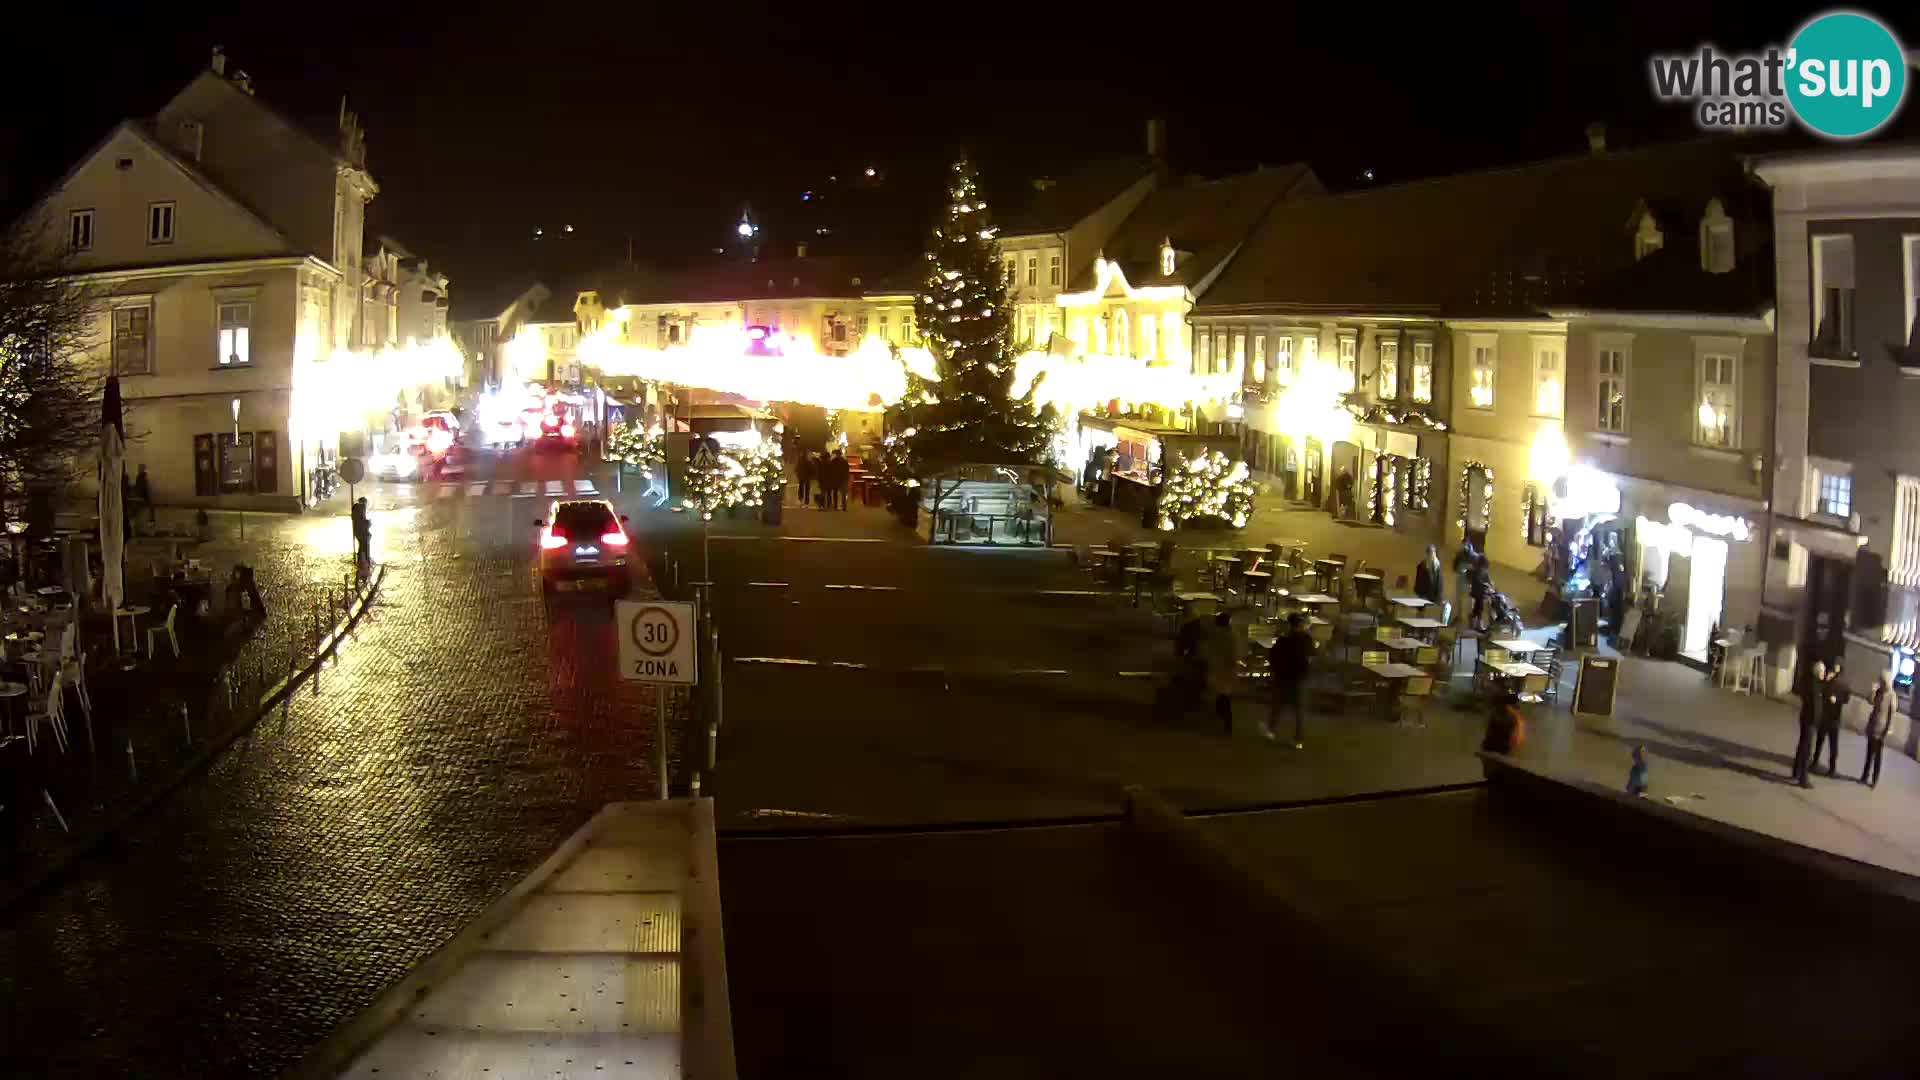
1348	359
236	461
1239	351
1832	297
1102	328
1033	270
1482	374
1222	360
1309	351
1053	270
1203	352
80	230
1008	264
133	340
860	328
906	328
1388	388
1647	238
1904	565
885	330
1030	327
1548	393
1259	372
1166	260
1149	340
1716	422
1836	494
235	347
1716	239
1910	263
1610	388
1122	342
160	223
1283	359
1422	374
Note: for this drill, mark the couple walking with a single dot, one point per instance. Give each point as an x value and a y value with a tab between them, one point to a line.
1821	705
830	474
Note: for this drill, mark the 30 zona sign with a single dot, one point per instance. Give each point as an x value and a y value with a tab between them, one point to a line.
656	641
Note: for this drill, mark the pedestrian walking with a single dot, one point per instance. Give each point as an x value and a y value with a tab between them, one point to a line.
1221	655
1427	577
1879	720
1637	775
806	469
1480	588
143	493
1289	662
1809	720
362	536
1833	699
1343	493
1462	577
837	487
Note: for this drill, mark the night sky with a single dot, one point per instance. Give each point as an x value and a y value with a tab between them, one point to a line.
655	126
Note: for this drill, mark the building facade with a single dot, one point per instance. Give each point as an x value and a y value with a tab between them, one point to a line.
224	244
1843	568
1057	233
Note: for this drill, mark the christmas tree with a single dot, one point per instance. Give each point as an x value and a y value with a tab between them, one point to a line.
968	410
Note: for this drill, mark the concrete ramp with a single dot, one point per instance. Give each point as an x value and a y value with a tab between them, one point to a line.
607	961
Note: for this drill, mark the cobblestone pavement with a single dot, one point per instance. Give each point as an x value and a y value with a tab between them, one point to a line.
458	738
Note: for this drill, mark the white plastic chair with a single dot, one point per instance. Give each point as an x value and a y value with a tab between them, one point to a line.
53	709
166	628
73	670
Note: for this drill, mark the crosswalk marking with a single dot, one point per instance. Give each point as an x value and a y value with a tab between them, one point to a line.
479	488
528	489
556	487
585	487
523	489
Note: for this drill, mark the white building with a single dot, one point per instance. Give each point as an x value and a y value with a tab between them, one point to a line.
225	243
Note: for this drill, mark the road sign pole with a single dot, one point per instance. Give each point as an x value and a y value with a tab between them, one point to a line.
660	734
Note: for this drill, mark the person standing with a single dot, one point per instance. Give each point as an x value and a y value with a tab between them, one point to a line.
1833	699
1289	662
1481	588
1637	775
1343	493
1879	721
804	471
1809	720
1462	576
362	535
1427	577
837	486
143	492
1220	653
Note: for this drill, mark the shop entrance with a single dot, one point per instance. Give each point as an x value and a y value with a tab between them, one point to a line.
1706	593
1829	587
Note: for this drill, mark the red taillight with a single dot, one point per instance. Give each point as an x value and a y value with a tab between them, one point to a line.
551	540
614	539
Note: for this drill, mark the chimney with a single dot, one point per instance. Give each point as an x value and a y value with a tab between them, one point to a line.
219	61
799	251
1597	137
1157	137
193	138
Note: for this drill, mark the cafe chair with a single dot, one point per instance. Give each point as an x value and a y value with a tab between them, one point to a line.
1426	657
73	671
1358	685
1493	655
53	710
154	632
1533	687
1415	692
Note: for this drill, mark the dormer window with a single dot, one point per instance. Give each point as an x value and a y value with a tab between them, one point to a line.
1716	239
1647	237
1166	258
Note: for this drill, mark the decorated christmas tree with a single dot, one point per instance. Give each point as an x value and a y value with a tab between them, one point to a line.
1206	487
968	411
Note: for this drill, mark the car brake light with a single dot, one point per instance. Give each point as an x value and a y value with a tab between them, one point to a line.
566	431
614	539
551	540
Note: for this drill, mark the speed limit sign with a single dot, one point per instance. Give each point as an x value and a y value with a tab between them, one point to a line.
656	641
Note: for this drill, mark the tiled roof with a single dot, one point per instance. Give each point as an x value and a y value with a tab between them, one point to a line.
719	280
1511	241
1205	220
1065	200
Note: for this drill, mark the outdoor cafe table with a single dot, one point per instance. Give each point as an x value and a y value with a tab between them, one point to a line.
1189	599
1222	568
1314	599
1391	676
1517	646
1143	550
1420	624
1403	644
1509	669
1412	603
1139	576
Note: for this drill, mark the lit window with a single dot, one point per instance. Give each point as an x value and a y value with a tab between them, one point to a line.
1422	374
1904	565
1309	351
1239	351
80	230
1122	343
1033	270
1166	260
1283	359
1149	340
1222	359
132	340
1548	395
885	329
1348	360
1480	390
235	345
1203	357
1008	264
1610	389
160	223
1053	270
1259	371
1836	494
906	328
1389	382
1716	420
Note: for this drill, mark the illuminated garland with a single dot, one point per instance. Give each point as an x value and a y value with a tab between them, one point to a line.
736	478
1466	487
1383	493
631	443
1420	484
1206	486
1382	414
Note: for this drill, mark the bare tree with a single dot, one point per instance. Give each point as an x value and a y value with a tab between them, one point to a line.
49	384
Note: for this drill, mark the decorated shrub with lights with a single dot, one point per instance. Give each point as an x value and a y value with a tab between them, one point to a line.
737	478
630	443
1207	488
966	410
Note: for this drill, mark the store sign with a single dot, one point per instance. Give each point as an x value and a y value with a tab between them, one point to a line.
1721	525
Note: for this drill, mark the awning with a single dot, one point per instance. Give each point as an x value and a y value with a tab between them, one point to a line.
1820	538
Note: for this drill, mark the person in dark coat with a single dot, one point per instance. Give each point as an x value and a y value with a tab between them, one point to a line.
1343	494
1427	579
1482	587
143	492
362	535
1833	699
837	484
1809	721
805	470
1289	662
1879	721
